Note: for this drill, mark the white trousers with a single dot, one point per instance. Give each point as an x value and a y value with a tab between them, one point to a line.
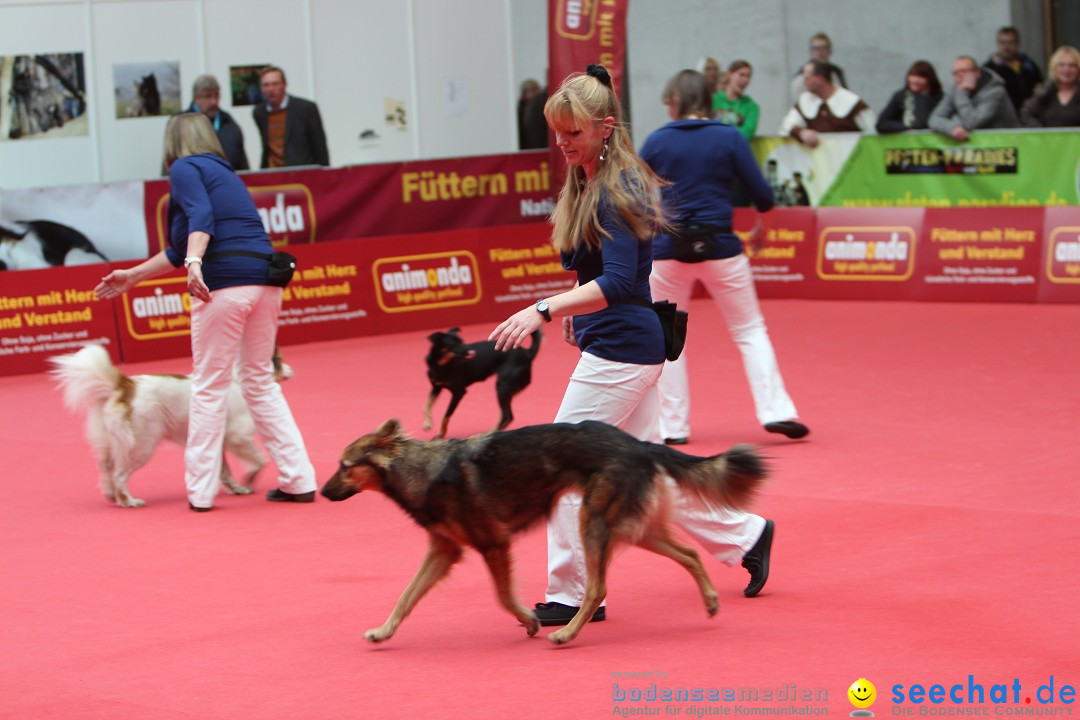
239	328
731	284
625	396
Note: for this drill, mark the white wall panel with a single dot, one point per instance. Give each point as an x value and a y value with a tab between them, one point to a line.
456	64
467	100
33	162
134	32
364	56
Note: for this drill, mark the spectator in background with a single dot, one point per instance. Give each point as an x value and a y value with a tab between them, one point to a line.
820	51
732	106
1057	104
978	101
910	107
532	128
714	79
291	127
206	95
1019	72
825	108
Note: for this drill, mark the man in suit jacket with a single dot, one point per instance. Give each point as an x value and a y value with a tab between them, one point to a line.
291	128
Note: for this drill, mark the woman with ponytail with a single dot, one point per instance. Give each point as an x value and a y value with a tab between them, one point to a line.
603	223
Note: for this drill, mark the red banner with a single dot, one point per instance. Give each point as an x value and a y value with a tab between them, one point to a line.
50	312
784	265
422	281
866	254
306	206
353	288
985	254
580	33
583	32
1060	274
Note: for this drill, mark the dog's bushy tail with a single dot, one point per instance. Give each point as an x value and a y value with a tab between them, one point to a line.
87	377
730	479
534	346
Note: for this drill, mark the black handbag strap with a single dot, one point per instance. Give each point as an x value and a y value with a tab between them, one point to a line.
635	300
238	253
700	228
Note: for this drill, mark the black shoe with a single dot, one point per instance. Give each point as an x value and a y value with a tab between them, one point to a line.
554	613
792	429
757	561
676	441
199	509
279	495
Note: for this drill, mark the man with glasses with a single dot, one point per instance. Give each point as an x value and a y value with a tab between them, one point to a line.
821	51
977	101
206	96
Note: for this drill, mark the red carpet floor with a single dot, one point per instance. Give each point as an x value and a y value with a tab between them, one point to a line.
927	533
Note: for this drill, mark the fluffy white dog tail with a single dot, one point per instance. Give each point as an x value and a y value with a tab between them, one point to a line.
87	377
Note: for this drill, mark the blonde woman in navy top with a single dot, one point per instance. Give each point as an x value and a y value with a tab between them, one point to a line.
603	225
234	311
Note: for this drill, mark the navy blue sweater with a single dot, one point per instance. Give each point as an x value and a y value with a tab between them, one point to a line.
701	158
621	267
207	195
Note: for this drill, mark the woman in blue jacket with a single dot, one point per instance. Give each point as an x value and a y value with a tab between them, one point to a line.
217	235
701	158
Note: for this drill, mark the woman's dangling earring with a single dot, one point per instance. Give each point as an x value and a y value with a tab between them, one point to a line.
603	153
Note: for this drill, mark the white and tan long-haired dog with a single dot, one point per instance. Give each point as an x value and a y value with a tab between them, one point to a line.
128	416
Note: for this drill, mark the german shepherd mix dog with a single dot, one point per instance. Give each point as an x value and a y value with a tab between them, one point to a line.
455	365
480	491
126	417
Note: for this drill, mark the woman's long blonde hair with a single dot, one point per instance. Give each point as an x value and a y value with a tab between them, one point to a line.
190	134
622	180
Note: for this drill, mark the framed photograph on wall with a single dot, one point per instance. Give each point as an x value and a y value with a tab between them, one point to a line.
146	89
43	96
244	82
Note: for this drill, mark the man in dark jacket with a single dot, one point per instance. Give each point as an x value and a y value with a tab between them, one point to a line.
206	94
1019	72
291	127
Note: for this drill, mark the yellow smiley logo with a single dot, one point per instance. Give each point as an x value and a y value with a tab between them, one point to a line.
862	693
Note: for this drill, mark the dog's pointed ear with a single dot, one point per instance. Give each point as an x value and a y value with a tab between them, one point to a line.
455	330
390	427
390	430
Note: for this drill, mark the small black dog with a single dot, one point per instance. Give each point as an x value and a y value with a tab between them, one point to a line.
455	365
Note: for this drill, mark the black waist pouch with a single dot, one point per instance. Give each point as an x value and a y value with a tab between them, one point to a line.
282	264
694	242
672	321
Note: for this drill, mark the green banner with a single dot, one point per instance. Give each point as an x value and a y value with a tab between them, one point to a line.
923	169
1000	169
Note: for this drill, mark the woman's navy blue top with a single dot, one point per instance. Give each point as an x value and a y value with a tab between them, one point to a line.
207	195
701	159
621	267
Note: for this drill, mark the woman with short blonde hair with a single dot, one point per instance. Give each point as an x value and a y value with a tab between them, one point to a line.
1058	103
216	233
